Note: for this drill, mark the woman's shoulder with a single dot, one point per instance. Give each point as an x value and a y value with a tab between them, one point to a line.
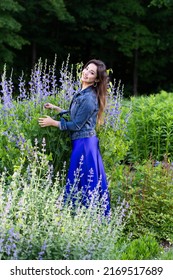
90	92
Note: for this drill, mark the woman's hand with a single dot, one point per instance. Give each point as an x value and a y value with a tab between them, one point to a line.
51	106
48	121
48	106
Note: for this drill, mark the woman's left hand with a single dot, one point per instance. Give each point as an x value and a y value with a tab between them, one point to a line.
47	121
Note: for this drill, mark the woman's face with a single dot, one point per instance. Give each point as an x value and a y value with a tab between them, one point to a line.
89	74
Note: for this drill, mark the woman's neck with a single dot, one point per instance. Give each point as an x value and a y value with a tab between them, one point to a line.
84	86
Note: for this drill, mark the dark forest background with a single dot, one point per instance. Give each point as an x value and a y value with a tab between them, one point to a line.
133	37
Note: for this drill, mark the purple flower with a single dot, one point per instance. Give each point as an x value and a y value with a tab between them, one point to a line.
43	250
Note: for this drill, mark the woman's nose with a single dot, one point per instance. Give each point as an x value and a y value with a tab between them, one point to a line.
85	72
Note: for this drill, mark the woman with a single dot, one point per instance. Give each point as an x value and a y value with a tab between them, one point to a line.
86	175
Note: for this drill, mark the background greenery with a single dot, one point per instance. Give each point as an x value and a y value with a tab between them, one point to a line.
133	37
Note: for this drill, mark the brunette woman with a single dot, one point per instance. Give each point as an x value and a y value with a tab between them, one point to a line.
86	178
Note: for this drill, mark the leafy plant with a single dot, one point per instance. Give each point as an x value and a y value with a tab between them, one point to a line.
148	189
150	127
144	248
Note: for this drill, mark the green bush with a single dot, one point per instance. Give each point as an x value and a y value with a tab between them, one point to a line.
19	129
149	191
113	147
150	127
144	248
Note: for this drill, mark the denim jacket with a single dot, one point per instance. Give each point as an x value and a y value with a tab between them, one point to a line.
83	114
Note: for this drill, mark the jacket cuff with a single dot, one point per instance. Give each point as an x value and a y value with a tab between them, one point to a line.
63	125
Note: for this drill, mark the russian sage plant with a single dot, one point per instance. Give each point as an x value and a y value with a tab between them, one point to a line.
36	224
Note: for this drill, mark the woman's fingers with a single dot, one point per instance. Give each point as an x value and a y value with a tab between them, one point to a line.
47	106
47	121
42	121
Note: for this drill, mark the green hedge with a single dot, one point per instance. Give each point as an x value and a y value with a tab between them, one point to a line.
150	127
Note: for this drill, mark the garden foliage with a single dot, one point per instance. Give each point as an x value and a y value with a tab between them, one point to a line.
136	146
143	248
148	189
35	223
19	117
150	127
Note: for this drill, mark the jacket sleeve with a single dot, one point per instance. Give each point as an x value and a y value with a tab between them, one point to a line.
84	112
64	112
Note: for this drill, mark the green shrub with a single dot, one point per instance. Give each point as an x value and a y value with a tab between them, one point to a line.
150	127
144	248
113	147
19	129
149	191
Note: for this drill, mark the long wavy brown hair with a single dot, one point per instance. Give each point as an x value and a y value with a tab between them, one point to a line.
101	86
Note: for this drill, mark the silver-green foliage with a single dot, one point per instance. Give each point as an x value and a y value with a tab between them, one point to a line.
35	224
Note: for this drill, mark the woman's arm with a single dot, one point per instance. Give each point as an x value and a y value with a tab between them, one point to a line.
52	106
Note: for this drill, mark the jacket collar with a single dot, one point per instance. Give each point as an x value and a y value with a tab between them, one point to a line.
87	89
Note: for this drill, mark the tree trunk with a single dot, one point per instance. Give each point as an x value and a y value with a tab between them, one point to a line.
34	53
135	73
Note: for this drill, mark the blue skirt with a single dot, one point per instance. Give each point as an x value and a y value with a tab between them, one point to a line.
86	178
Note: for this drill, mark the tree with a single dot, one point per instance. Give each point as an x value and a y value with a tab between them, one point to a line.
160	3
41	21
117	31
132	37
160	21
10	38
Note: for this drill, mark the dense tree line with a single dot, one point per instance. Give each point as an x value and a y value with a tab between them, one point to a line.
134	37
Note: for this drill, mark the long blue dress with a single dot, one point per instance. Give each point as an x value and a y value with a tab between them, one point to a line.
86	178
86	175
